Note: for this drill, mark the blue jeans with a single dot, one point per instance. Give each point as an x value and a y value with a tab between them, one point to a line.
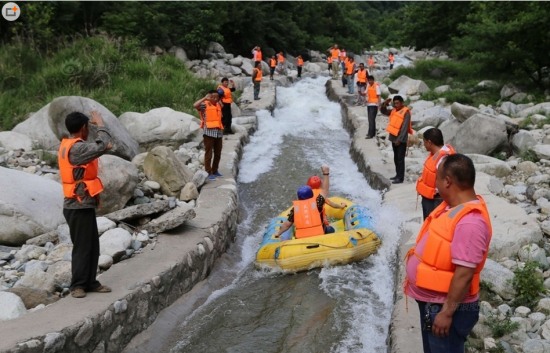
464	319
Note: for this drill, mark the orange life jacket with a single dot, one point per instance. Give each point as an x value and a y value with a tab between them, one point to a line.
272	62
425	185
391	58
396	120
371	62
299	62
362	76
329	60
258	75
258	55
435	270
93	183
335	53
280	58
227	97
307	219
372	95
343	55
212	116
317	192
350	66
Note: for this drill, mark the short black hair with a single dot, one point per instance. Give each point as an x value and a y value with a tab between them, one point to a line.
75	121
370	77
398	98
434	135
225	79
213	91
461	169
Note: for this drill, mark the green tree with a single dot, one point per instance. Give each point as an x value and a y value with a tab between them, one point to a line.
508	38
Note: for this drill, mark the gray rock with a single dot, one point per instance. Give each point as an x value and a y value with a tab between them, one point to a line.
170	219
139	211
120	178
462	112
31	206
12	140
162	165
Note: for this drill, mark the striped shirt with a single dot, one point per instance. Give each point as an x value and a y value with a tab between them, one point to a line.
215	133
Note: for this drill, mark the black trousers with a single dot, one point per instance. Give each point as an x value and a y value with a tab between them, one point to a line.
372	110
299	71
428	205
85	256
227	117
399	152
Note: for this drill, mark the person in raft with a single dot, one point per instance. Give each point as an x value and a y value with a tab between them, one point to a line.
308	214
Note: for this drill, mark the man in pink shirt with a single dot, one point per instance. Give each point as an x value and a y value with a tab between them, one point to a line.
443	267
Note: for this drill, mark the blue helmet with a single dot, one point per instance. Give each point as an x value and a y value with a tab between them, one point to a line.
304	192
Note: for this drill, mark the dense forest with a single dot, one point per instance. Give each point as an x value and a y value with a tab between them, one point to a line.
504	39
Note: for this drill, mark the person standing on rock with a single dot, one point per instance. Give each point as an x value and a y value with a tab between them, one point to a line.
362	74
257	80
272	66
391	59
371	63
443	268
281	66
425	185
373	95
224	91
210	112
299	65
399	128
78	168
257	55
335	57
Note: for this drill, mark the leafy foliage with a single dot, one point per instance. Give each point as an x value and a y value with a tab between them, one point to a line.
528	284
500	327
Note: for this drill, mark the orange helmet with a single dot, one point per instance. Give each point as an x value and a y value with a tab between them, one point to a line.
314	182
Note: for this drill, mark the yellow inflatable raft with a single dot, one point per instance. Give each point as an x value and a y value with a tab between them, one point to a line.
353	241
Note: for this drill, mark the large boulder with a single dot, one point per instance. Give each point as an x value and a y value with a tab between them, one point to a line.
47	126
433	116
120	179
541	108
480	134
407	86
161	126
162	166
29	206
462	112
12	140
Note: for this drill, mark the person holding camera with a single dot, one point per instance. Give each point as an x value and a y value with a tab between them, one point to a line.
78	168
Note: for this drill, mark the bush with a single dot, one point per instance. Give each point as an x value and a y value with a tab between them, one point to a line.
528	284
499	327
529	155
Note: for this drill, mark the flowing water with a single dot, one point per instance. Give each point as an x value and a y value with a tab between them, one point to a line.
239	309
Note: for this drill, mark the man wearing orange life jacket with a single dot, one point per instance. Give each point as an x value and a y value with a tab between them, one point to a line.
371	63
399	128
443	268
78	168
373	95
257	55
307	215
210	112
350	74
391	59
335	57
225	92
329	63
343	59
362	75
299	65
257	80
272	66
281	63
425	185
